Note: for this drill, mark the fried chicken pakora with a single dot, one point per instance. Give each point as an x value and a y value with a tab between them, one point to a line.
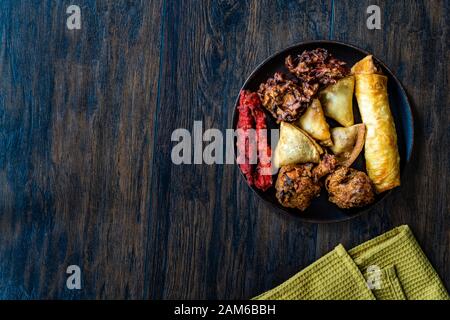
297	185
349	188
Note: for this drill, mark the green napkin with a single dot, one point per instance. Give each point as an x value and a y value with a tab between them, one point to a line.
390	266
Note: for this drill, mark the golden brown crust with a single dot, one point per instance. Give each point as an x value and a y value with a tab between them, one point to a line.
295	146
337	101
366	66
296	186
348	143
325	166
314	123
381	151
349	188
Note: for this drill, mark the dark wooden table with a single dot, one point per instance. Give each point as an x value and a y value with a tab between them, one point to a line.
86	118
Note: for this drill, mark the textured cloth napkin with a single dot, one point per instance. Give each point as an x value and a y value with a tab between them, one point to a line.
389	267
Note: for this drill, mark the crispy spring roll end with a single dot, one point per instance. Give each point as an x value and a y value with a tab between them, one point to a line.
365	66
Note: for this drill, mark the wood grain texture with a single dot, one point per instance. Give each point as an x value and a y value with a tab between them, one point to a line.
86	119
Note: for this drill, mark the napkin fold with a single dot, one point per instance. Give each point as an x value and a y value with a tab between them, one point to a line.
391	266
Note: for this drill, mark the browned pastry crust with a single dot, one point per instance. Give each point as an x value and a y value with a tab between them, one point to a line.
284	98
349	188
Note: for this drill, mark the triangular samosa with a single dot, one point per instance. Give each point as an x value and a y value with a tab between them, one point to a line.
337	101
314	123
348	143
295	146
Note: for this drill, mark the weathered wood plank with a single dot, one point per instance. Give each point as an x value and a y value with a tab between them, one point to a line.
77	116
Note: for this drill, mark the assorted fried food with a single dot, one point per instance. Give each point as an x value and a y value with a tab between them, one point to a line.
287	99
298	184
310	153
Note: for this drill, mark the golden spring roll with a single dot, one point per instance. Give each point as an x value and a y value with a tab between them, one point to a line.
381	151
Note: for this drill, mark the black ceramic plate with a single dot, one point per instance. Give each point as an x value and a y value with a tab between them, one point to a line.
321	210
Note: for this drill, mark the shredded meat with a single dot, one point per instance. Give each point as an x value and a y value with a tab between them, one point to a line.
317	66
284	98
296	186
287	99
349	188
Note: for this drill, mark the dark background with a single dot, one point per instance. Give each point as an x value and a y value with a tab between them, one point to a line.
86	118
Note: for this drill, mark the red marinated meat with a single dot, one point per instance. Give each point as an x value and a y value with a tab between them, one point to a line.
245	122
251	116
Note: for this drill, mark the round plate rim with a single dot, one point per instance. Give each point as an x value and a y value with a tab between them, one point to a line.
408	112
